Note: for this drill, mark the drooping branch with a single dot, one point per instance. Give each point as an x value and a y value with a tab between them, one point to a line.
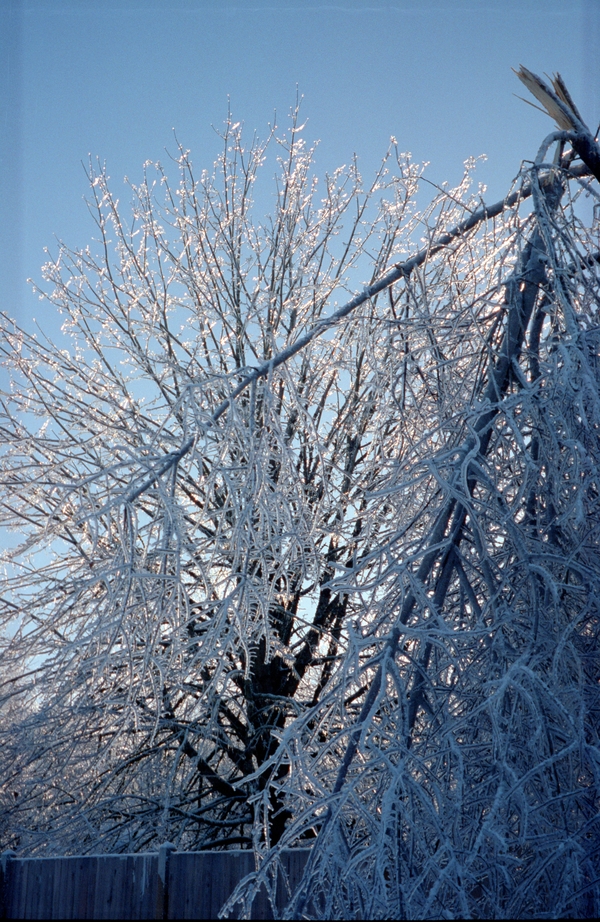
399	271
523	290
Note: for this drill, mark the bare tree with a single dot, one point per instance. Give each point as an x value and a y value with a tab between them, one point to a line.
293	574
173	612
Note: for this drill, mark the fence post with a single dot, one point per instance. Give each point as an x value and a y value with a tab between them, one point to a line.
4	895
162	881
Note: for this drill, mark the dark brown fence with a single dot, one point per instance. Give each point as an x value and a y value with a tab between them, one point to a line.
167	885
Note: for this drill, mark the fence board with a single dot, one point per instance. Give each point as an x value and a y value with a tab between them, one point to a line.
93	887
127	886
199	883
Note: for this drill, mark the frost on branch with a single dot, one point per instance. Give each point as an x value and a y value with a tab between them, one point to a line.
357	608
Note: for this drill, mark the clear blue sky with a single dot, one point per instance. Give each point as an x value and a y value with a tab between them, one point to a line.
112	78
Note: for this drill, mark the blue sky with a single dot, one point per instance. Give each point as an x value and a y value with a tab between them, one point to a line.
112	79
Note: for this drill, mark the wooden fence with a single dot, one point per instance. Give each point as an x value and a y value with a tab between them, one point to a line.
167	885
